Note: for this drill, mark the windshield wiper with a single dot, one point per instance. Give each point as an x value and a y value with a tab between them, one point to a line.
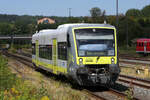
97	59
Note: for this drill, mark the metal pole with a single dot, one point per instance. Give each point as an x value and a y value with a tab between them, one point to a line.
117	20
69	12
12	41
127	32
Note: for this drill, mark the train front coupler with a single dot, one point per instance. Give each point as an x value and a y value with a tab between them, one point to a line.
93	76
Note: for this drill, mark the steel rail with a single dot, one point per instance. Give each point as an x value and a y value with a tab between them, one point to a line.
97	97
111	91
123	56
120	94
27	61
135	78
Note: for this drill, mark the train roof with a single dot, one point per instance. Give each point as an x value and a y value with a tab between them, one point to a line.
84	25
143	39
65	27
61	31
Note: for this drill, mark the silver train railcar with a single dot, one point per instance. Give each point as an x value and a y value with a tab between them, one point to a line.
86	53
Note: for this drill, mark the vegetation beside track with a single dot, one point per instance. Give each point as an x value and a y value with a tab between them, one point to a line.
35	87
131	51
14	88
135	71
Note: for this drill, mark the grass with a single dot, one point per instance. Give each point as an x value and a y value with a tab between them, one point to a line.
5	75
14	88
131	51
27	46
62	90
39	88
133	72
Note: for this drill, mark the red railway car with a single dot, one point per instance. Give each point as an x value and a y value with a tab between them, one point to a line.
143	46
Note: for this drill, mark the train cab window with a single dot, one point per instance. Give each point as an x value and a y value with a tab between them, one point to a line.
62	50
33	48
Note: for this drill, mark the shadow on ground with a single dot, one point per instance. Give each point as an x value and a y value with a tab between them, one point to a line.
65	80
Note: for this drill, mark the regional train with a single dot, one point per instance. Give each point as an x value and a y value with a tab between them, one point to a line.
85	53
143	46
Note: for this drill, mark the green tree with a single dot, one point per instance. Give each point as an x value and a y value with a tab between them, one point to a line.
97	15
141	22
130	26
95	12
47	26
146	11
133	12
74	20
6	28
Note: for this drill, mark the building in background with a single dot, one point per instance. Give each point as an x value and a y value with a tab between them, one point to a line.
46	21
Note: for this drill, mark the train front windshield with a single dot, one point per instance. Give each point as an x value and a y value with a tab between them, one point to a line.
95	42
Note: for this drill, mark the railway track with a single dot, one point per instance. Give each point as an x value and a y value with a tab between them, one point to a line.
110	94
135	62
132	59
23	59
122	78
135	81
125	56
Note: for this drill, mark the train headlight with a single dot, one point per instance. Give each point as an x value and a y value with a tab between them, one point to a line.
80	61
112	60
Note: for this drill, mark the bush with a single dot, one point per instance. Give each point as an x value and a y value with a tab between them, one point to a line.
7	79
14	88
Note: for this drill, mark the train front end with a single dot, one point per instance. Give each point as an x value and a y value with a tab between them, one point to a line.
96	61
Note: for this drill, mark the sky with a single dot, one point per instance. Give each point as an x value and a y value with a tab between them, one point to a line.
61	7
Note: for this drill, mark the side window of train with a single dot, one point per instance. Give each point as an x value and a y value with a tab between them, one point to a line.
139	44
45	51
62	50
41	51
142	44
33	48
49	51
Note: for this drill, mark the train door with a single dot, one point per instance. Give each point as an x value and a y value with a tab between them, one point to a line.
145	45
141	46
148	47
138	46
37	52
54	56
